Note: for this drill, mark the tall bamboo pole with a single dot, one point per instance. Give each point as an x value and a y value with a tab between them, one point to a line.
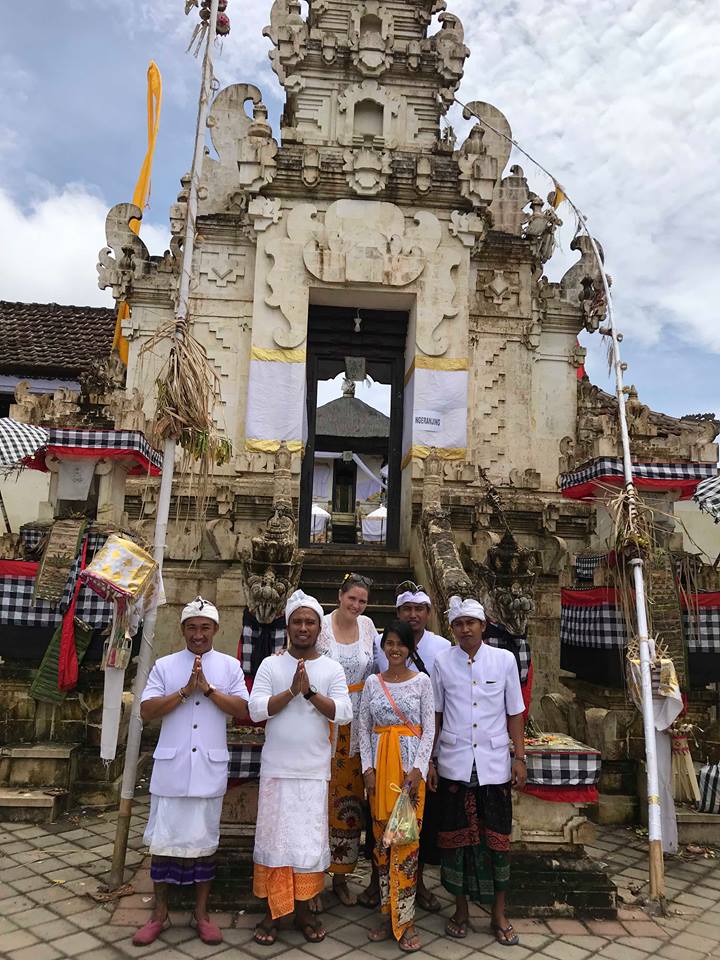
145	659
656	864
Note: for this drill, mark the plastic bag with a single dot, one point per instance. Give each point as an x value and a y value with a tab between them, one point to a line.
402	825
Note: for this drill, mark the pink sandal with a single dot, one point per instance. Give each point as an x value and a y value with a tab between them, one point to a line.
150	931
207	930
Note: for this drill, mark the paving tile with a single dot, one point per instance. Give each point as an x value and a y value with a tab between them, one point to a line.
51	893
77	943
625	914
508	953
565	951
617	951
15	904
15	873
445	948
15	940
29	883
570	927
692	941
104	953
54	929
94	917
672	952
260	950
17	846
648	944
70	906
327	949
6	925
606	928
38	951
352	934
589	943
691	900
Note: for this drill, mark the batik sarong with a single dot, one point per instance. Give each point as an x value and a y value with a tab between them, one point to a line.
345	805
183	834
474	838
397	872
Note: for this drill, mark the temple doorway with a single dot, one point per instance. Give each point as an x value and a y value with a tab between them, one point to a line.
350	484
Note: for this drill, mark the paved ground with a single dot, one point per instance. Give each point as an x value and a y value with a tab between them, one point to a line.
46	911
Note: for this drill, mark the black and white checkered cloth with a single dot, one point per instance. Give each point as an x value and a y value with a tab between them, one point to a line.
106	439
497	636
562	768
613	467
259	640
702	629
17	608
18	441
244	762
601	627
707	497
585	566
31	536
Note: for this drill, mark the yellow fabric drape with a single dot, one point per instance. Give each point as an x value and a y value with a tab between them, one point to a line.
142	188
559	196
388	768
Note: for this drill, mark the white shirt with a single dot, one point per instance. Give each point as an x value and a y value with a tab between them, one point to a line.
431	644
475	698
191	757
297	740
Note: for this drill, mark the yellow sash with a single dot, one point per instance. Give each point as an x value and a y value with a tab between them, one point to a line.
388	767
356	687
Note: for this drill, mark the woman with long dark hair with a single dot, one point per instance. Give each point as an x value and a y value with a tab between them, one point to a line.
397	729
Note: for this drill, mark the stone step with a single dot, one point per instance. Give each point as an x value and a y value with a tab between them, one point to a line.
560	884
702	829
38	765
20	805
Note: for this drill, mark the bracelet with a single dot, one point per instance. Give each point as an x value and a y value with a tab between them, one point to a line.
183	698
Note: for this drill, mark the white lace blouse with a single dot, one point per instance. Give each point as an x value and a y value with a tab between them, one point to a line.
356	659
414	698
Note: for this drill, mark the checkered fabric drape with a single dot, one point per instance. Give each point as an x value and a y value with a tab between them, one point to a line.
707	497
595	621
563	768
581	482
18	441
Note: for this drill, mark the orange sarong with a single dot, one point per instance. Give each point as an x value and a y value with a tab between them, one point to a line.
388	767
282	886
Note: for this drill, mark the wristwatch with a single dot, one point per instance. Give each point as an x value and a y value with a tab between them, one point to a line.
311	693
210	689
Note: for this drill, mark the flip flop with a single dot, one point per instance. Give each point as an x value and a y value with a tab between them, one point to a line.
380	934
371	901
346	898
458	929
410	944
265	936
428	901
503	940
318	932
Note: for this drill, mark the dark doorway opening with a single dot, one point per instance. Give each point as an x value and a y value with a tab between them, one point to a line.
356	447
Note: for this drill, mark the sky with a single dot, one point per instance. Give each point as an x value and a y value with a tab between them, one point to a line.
619	99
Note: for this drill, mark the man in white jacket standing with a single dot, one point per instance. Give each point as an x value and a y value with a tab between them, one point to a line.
301	694
193	691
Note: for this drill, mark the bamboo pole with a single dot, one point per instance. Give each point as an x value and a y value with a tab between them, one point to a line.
145	659
656	863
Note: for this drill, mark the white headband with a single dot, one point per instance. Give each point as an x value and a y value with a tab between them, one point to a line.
465	608
200	608
410	597
300	599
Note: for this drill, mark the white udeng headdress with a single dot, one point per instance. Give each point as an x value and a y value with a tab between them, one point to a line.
465	608
200	608
409	597
300	599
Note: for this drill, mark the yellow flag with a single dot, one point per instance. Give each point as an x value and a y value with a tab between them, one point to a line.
142	188
558	196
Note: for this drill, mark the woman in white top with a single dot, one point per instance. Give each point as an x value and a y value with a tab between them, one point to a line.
348	637
397	729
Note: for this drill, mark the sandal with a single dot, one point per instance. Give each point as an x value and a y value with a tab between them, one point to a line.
501	935
370	899
265	936
313	932
342	892
428	901
458	929
380	933
409	943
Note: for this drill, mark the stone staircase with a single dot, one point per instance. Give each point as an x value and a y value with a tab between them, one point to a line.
325	566
36	780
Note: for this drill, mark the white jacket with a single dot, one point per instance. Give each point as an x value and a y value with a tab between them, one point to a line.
475	698
191	757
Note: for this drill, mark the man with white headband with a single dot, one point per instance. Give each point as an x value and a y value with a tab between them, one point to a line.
192	692
300	693
479	709
413	606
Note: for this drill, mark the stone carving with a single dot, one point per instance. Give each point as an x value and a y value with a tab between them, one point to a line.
423	174
449	45
369	114
289	34
131	258
272	566
245	147
363	245
371	38
311	166
510	198
469	228
582	283
414	53
329	47
221	267
58	409
264	211
478	170
539	229
367	170
505	582
432	483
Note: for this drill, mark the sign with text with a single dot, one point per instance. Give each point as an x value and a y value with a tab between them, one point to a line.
429	420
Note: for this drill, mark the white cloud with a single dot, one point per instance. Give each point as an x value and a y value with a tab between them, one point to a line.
54	244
